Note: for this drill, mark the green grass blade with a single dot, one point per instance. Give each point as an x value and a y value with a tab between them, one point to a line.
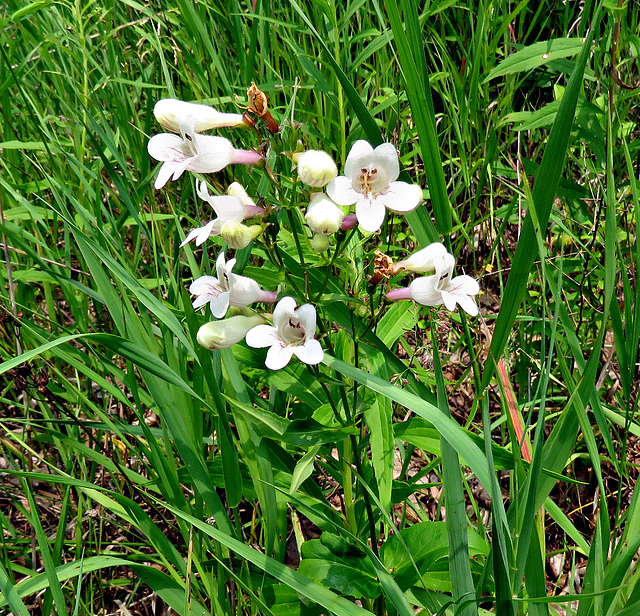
301	584
537	55
544	191
459	562
410	47
451	431
10	596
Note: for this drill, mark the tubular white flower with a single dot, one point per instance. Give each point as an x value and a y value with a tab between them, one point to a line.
226	207
236	189
370	182
424	260
323	215
224	334
315	168
292	333
441	288
194	152
227	289
170	112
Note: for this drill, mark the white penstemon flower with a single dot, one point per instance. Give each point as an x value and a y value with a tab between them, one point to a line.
232	208
170	111
292	333
424	260
194	152
441	288
226	207
227	289
370	182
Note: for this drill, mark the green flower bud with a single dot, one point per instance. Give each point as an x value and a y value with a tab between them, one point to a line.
238	235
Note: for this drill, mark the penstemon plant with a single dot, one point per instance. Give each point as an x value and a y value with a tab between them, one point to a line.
297	402
309	225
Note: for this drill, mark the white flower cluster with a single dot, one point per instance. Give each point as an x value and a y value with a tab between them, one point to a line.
370	183
293	330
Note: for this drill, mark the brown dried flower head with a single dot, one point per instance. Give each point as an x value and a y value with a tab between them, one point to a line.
257	100
257	103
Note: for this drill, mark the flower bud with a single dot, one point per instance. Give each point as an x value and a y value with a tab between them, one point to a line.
224	334
323	215
170	112
238	235
349	222
320	242
424	260
315	168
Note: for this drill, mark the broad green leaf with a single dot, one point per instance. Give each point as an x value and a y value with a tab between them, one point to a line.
537	55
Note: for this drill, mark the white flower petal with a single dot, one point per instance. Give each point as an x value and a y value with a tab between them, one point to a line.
262	336
424	260
424	290
361	150
227	207
464	285
219	305
284	310
204	284
205	232
468	304
214	154
164	174
244	290
278	356
221	266
310	352
165	146
449	300
341	191
200	234
191	235
306	315
200	301
402	197
370	214
386	157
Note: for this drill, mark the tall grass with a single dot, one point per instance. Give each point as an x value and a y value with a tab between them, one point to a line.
488	465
